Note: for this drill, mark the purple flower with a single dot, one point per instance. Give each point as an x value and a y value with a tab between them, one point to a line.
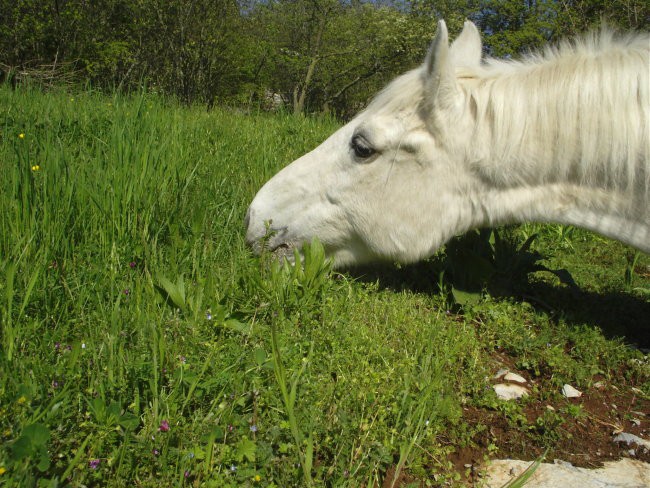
164	426
127	292
187	473
93	463
57	346
231	427
132	264
155	452
208	316
253	428
55	384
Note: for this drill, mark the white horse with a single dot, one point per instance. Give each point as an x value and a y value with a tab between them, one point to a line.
456	144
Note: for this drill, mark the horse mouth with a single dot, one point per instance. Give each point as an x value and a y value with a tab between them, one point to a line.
283	251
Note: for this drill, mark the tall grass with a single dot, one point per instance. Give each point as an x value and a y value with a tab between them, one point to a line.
142	343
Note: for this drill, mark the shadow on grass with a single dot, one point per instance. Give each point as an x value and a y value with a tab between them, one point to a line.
617	313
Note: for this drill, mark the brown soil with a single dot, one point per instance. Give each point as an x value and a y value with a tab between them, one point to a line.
584	440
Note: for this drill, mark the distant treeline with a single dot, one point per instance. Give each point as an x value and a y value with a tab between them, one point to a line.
306	55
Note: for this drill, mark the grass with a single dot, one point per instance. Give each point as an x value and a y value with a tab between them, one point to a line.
143	344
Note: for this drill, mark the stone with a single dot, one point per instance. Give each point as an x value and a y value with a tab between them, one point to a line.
625	473
632	439
570	392
506	391
500	373
514	377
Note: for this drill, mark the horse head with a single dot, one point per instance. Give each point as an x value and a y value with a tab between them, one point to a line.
392	183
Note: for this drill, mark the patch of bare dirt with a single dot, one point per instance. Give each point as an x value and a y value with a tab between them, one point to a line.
585	438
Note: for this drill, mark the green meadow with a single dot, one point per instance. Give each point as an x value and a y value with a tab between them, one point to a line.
142	344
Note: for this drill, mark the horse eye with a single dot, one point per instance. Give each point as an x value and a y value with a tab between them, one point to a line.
361	148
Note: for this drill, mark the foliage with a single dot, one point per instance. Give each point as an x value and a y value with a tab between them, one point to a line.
318	55
142	342
491	259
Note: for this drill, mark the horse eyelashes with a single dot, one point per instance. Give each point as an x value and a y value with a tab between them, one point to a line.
361	148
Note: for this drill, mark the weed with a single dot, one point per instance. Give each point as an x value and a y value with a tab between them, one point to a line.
142	342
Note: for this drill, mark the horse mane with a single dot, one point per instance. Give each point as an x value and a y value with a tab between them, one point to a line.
576	113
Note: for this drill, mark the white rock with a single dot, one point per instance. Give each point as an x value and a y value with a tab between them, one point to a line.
632	439
625	473
570	392
514	377
500	373
509	392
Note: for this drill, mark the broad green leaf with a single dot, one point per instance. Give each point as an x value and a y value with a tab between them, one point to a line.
245	448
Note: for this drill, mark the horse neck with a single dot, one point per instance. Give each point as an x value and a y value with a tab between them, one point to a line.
564	142
601	211
580	118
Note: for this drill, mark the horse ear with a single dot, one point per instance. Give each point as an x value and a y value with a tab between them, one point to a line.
467	49
440	82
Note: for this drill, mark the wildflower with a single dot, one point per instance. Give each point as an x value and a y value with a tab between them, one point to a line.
155	452
257	478
21	400
21	136
93	463
57	346
253	428
2	470
127	292
208	316
187	473
233	468
164	426
231	427
55	384
182	359
83	345
132	264
36	167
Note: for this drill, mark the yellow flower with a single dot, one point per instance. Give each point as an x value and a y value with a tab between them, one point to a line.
2	470
36	167
21	136
22	400
257	478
